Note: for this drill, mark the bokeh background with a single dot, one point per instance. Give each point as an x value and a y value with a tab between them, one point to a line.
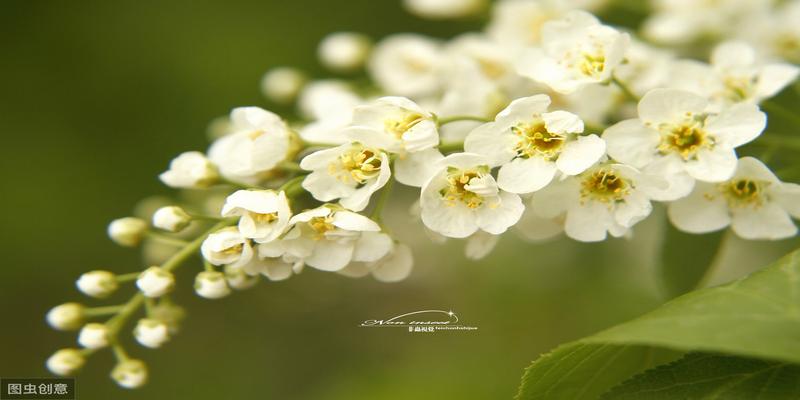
98	96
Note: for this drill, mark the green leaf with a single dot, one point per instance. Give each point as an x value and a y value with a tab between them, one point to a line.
706	376
757	317
685	258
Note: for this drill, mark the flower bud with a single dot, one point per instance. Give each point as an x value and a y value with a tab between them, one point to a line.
238	279
130	374
93	336
66	362
170	314
282	85
66	317
444	9
127	231
155	282
171	218
97	284
211	285
151	333
344	51
191	169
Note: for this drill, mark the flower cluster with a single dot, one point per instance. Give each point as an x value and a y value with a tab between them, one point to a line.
547	122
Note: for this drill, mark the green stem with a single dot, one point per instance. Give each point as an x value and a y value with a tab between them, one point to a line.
290	166
716	263
119	352
377	212
292	186
625	89
451	147
100	311
456	118
779	110
160	237
127	277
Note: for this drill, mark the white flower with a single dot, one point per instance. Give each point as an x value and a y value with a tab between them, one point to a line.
462	197
282	84
151	333
332	238
680	21
97	284
605	199
407	65
754	202
155	282
480	244
66	362
443	9
130	373
777	32
344	51
518	23
127	231
647	67
735	75
531	144
66	317
350	172
398	125
226	246
280	259
260	140
535	228
676	137
264	213
171	218
211	285
93	336
190	170
395	266
238	278
330	104
576	50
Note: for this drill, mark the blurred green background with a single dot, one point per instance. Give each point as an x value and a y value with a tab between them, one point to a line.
98	96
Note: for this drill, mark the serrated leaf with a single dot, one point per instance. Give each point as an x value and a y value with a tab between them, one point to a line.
685	258
757	317
706	376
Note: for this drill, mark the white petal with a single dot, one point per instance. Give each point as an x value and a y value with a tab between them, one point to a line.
306	216
325	187
588	223
421	136
330	255
396	266
372	246
354	222
753	168
665	179
733	54
320	159
704	210
496	219
492	140
773	78
737	125
453	221
635	208
522	109
480	244
669	105
580	154
534	228
359	199
277	270
562	122
525	175
416	168
462	161
372	137
788	196
715	165
768	221
631	142
556	198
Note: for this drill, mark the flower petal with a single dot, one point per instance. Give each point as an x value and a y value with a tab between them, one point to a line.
631	142
669	105
580	154
737	125
703	211
526	175
767	222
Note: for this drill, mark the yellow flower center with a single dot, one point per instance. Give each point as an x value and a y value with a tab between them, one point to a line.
400	126
605	185
536	140
235	249
744	192
685	139
592	64
456	191
359	164
321	225
738	88
264	218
